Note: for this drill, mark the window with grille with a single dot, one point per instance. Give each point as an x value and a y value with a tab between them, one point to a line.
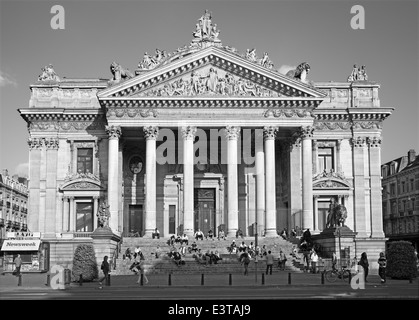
85	160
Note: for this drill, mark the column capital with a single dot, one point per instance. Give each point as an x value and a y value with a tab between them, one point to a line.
358	142
35	143
51	143
374	142
114	132
96	197
306	132
269	132
232	132
151	132
188	132
316	196
71	198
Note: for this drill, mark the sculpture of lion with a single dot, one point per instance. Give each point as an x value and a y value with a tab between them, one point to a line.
119	73
300	72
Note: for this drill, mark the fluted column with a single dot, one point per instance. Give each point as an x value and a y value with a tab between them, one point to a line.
358	144
374	144
66	214
72	215
316	214
114	133
232	135
95	208
260	183
150	133
306	133
269	134
188	134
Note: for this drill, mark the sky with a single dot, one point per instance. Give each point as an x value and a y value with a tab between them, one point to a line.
97	32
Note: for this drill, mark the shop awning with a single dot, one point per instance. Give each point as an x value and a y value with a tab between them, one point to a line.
21	245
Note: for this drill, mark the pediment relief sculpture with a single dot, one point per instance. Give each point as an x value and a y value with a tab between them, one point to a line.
211	81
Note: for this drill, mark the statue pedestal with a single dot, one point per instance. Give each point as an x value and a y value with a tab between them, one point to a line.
333	239
104	242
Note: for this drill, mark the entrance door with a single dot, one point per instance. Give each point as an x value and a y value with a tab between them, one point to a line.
204	216
136	219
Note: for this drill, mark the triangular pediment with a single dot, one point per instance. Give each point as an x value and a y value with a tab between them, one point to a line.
211	71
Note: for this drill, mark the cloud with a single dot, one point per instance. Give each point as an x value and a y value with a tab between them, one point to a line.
285	68
6	79
22	170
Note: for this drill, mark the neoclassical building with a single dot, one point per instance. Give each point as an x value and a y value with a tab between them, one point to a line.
204	137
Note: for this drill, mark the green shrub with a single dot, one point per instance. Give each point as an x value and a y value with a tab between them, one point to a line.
84	263
401	261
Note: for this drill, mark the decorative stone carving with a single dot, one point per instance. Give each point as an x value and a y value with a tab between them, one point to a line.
358	142
374	142
114	132
82	185
288	113
264	61
358	74
81	175
330	174
48	74
52	143
269	132
366	125
103	215
300	72
211	82
188	132
119	73
205	30
151	132
306	132
322	126
232	132
35	143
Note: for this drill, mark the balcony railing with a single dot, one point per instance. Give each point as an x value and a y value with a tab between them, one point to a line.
80	234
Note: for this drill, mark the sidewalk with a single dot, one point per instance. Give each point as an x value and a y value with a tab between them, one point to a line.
38	281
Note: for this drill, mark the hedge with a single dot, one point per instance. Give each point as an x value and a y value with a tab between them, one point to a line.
84	263
401	260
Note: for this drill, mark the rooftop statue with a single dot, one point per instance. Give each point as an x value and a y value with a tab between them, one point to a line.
358	74
119	73
205	30
300	72
48	74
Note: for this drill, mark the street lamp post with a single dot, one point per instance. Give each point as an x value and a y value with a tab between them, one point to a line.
256	246
340	247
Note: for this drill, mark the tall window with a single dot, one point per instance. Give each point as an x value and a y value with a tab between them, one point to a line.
326	159
84	212
85	160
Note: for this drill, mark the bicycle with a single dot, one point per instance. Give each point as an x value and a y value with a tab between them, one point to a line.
343	274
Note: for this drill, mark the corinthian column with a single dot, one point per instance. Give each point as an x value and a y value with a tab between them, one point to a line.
358	144
306	133
260	182
114	133
269	135
188	134
232	134
150	133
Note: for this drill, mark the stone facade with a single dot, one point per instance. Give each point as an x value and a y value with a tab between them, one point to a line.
273	148
401	198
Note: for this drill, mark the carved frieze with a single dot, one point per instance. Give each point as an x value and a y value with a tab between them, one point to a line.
329	184
132	113
82	185
324	126
367	125
288	113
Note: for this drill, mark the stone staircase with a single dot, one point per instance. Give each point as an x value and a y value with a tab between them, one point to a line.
229	263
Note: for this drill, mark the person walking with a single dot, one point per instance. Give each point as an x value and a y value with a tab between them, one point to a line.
382	264
269	262
363	262
141	268
18	265
105	269
282	260
245	260
314	258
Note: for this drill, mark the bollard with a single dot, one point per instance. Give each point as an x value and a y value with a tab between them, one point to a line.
108	280
142	279
81	280
350	277
202	279
19	283
263	278
410	279
48	280
230	280
170	279
289	277
323	277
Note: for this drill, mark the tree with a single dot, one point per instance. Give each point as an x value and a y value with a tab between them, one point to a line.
401	260
84	263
